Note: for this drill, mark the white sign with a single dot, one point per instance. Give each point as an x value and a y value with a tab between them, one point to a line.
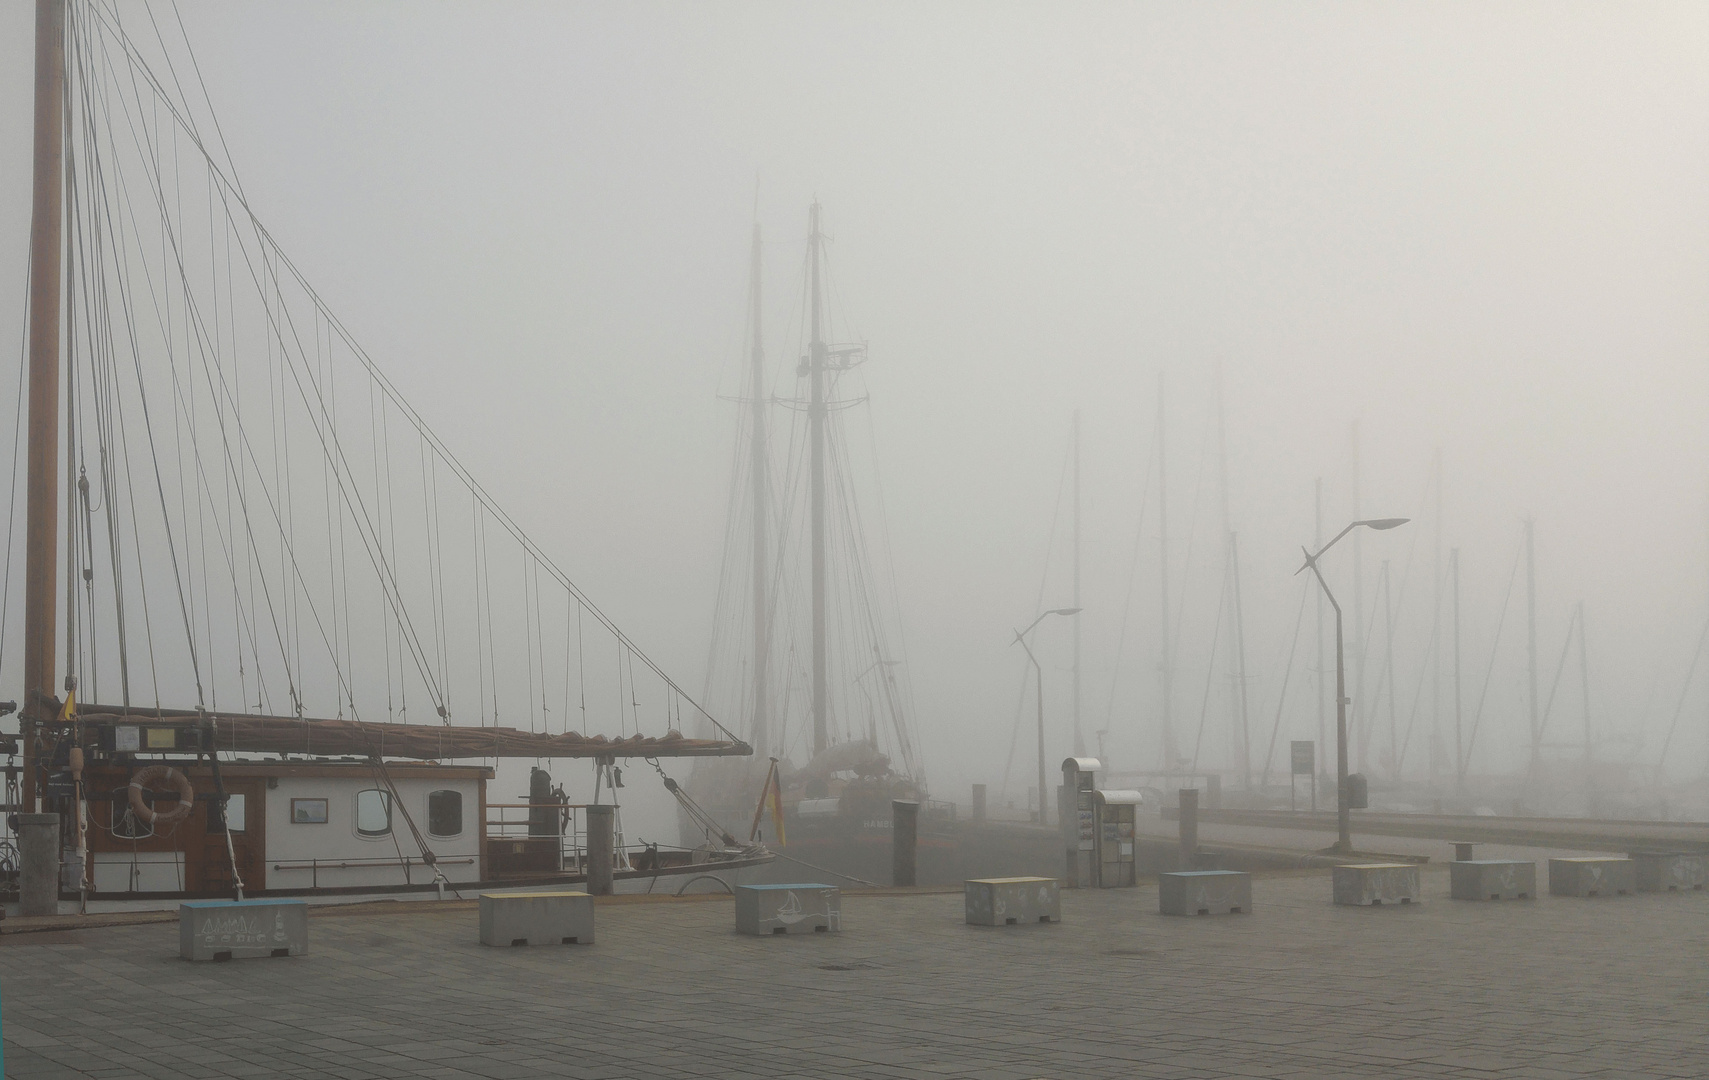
1305	758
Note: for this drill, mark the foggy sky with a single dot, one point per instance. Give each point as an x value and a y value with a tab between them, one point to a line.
1470	227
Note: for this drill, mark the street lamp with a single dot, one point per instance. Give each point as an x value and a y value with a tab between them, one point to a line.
1343	816
1021	637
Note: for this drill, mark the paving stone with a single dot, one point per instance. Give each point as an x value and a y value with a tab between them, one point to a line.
1298	989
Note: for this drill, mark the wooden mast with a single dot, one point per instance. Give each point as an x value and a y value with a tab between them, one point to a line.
41	528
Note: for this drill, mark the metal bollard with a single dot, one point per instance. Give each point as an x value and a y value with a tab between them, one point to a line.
1189	826
904	841
978	802
599	841
38	870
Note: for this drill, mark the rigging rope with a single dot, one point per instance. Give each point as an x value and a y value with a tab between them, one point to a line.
198	314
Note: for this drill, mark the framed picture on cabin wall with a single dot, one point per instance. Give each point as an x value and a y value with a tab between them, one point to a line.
308	811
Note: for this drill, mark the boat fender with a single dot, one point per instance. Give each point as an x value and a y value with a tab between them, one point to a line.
164	774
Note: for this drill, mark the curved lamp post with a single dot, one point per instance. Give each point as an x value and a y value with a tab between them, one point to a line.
1021	637
1343	816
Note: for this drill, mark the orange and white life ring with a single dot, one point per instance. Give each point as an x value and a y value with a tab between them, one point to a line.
163	774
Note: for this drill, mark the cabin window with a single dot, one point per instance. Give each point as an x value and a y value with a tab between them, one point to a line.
234	814
373	812
308	811
445	813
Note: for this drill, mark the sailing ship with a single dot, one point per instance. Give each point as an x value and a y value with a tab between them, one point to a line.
831	728
251	519
820	672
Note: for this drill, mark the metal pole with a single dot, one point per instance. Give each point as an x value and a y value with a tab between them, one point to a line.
1388	668
816	426
1343	812
1038	670
41	528
1038	682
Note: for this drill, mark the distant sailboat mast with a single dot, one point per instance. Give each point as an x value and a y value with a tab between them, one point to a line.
1322	686
1242	734
1171	754
761	511
1531	641
816	411
1079	737
1436	632
1356	718
1459	698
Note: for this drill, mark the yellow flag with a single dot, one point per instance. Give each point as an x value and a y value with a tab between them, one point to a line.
69	709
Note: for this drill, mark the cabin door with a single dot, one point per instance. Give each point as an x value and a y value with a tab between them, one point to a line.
247	818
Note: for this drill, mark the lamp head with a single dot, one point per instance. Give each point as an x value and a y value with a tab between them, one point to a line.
1383	523
1066	611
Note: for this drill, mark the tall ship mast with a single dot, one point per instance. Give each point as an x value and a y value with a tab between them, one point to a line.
821	684
759	479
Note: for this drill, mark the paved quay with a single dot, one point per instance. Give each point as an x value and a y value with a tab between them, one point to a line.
1548	988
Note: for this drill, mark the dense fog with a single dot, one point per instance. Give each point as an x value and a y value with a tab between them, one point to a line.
1451	253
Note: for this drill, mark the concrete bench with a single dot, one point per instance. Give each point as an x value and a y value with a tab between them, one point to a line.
1670	871
234	930
1592	877
1492	879
537	918
788	909
1371	884
1204	892
1010	901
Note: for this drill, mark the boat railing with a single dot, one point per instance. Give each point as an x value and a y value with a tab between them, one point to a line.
412	867
940	811
522	821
